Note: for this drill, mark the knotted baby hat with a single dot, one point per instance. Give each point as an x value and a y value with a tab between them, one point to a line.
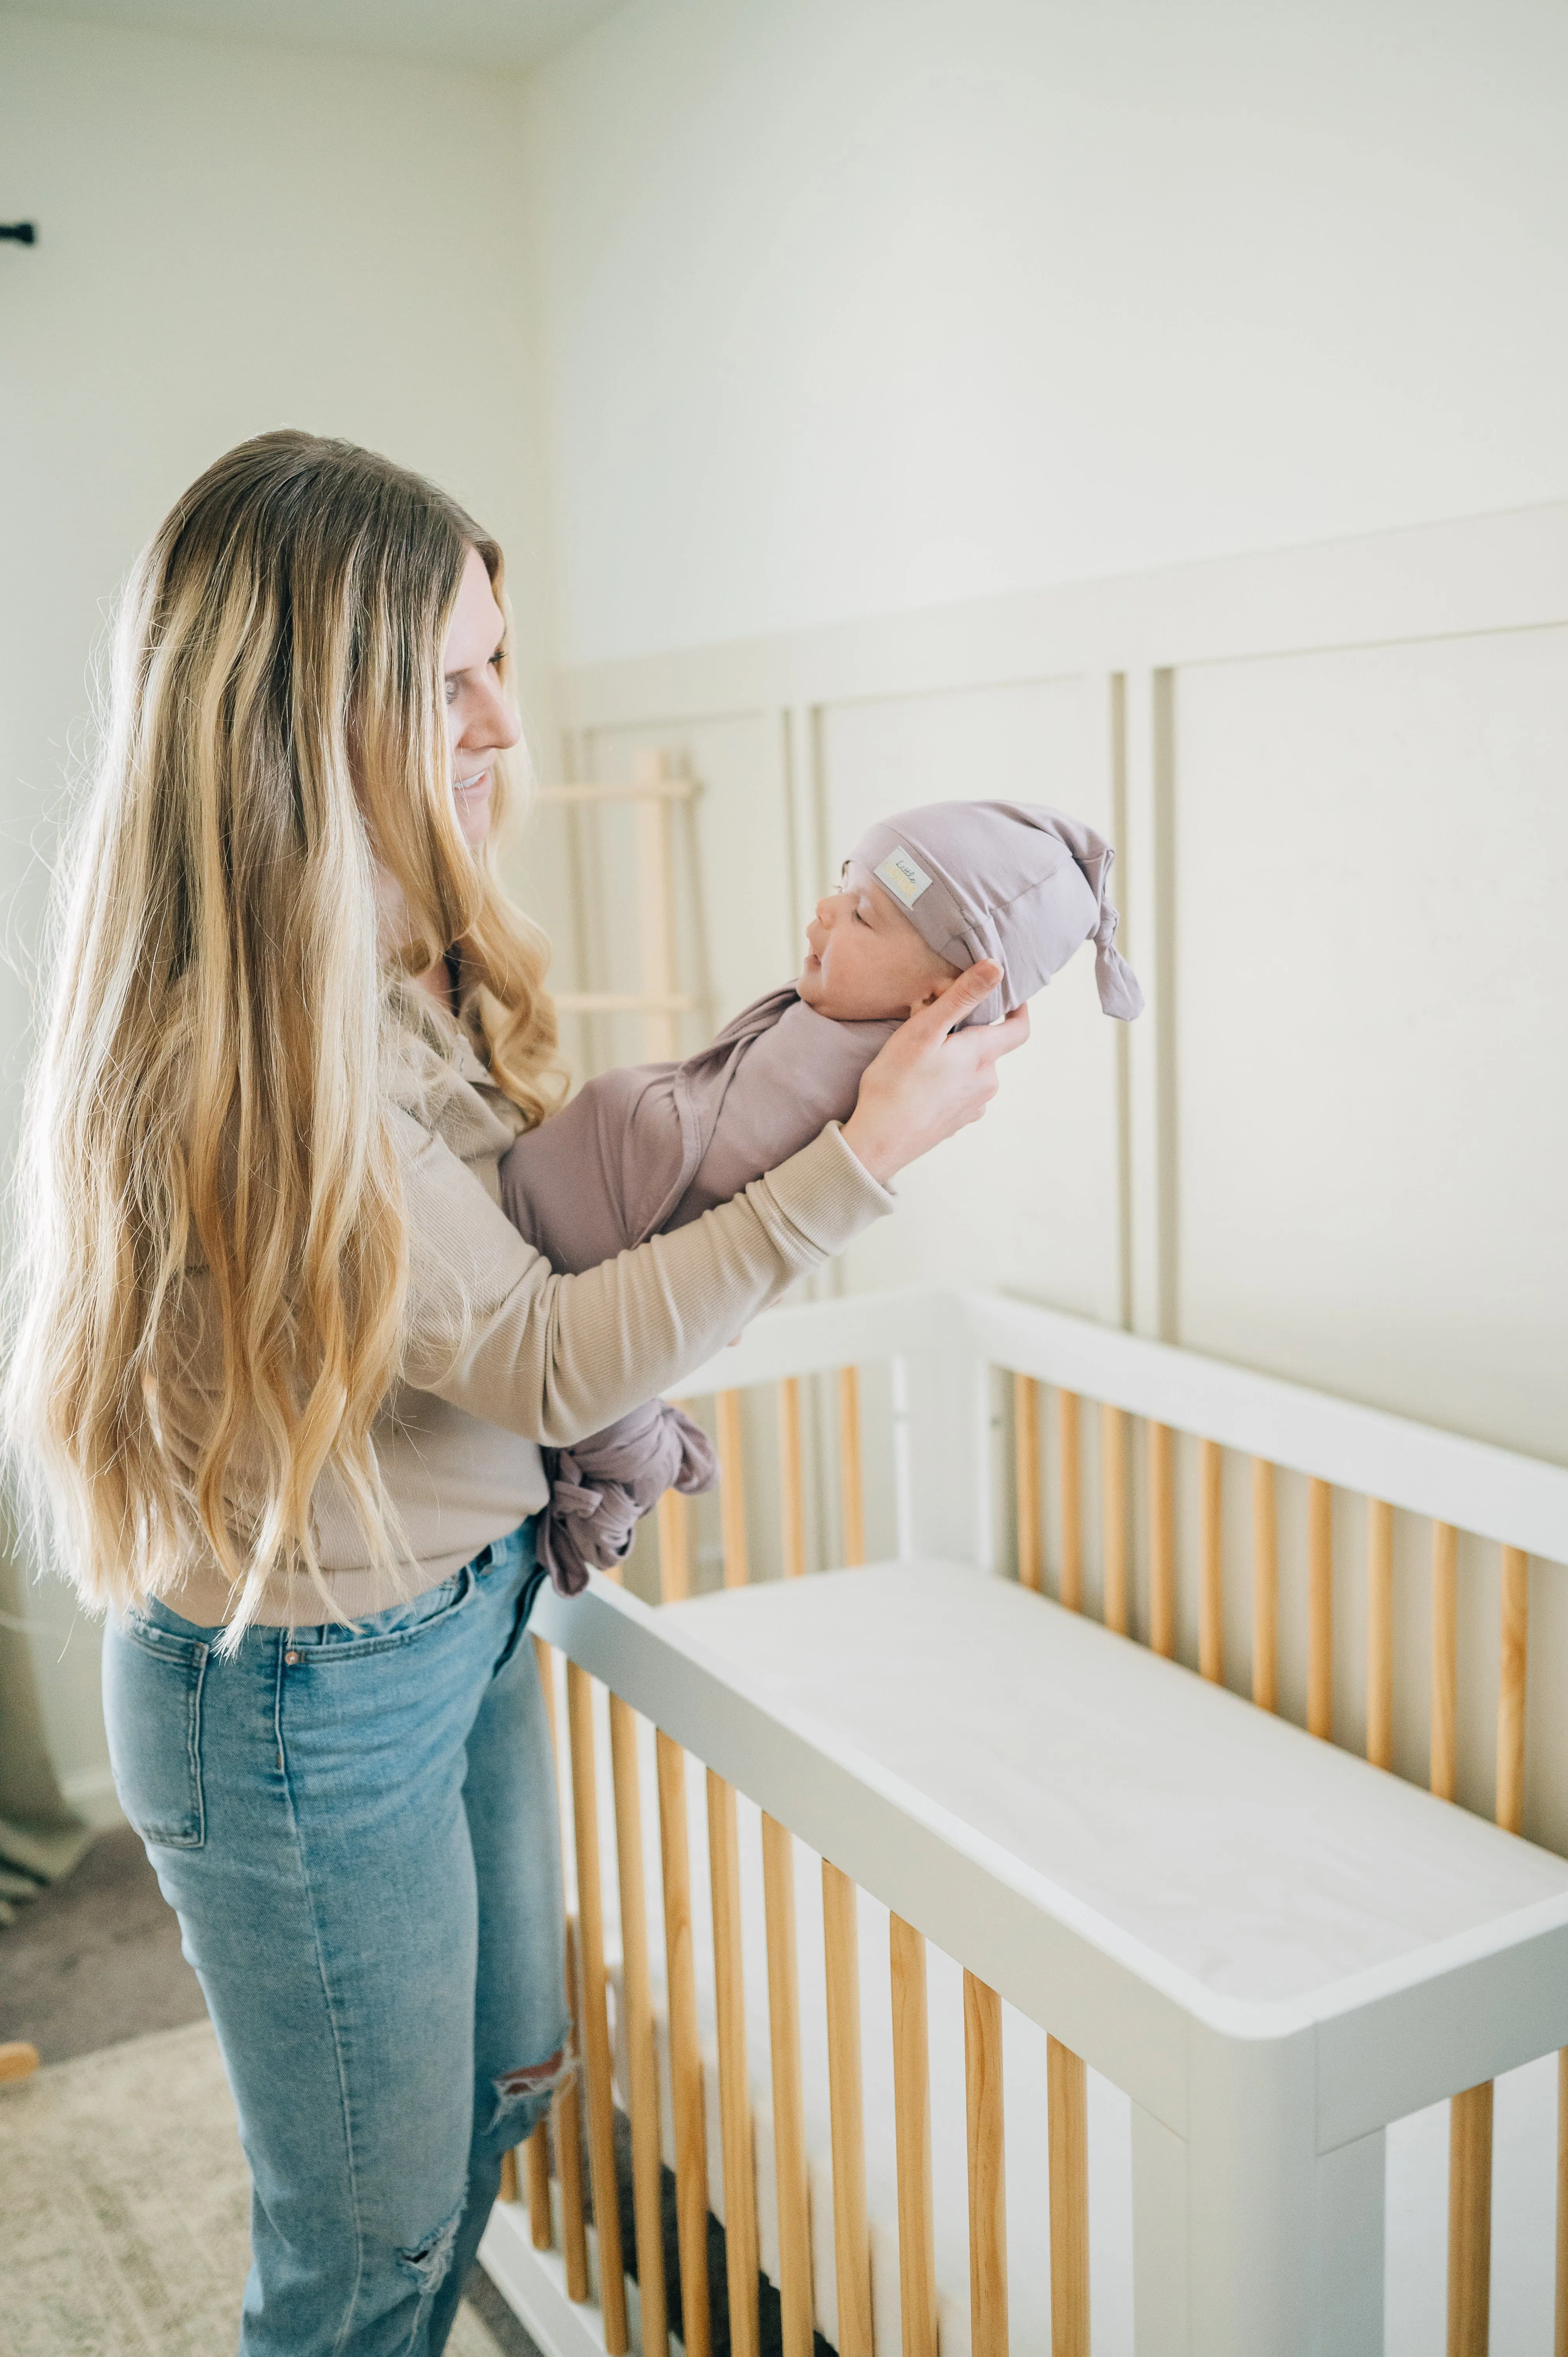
1012	881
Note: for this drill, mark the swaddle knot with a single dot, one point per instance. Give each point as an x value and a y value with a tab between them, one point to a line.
601	1488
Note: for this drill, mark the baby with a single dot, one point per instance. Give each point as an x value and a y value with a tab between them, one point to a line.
648	1147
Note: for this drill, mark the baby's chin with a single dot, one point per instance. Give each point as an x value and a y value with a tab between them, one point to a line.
810	986
817	995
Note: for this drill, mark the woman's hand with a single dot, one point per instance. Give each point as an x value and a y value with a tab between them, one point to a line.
931	1079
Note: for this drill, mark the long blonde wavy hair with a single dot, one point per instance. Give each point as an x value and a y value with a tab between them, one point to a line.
207	1129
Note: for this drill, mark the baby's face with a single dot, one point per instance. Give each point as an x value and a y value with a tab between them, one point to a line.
865	959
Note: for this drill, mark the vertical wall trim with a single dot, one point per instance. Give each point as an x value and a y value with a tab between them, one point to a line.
577	747
1107	692
1148	915
802	811
804	787
810	853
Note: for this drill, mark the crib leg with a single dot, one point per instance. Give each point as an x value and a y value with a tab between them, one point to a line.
1159	2240
1351	2246
1245	2238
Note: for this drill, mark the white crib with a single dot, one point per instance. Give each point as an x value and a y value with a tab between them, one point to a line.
1195	1979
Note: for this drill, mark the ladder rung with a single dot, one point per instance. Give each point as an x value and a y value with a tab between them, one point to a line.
616	1002
660	790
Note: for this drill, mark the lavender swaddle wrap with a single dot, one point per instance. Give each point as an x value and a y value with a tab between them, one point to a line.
640	1151
647	1148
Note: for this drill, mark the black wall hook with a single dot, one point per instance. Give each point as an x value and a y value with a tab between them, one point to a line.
20	232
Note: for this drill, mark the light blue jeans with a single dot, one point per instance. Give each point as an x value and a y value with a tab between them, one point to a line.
358	1830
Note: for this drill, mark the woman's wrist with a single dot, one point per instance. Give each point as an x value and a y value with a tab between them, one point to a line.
872	1148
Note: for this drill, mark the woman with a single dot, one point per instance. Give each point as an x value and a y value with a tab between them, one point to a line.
282	1369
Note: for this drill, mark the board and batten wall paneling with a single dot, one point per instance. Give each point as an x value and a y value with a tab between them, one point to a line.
1029	1199
1349	825
1372	970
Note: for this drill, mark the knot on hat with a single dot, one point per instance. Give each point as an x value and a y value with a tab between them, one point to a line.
1120	994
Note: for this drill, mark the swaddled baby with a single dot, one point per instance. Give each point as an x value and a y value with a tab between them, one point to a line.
650	1146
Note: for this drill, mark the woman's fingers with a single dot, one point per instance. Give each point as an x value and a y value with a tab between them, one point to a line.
962	996
1000	1039
932	1078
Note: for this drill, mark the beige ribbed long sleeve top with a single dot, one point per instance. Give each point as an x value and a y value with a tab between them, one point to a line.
503	1355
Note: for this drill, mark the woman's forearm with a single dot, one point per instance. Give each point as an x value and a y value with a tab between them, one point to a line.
553	1357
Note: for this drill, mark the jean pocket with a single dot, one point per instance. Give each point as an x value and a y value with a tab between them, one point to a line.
153	1683
532	1584
383	1632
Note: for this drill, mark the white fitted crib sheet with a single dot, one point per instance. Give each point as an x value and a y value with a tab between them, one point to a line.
1263	1872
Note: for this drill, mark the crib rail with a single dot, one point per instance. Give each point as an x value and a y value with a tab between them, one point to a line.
1155	1415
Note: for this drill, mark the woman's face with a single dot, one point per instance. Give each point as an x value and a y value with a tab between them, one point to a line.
480	717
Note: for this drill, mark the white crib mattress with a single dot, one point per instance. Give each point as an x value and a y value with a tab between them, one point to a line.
1266	1864
1262	1861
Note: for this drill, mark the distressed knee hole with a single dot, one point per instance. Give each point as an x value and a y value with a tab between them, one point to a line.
533	2076
431	2259
524	2095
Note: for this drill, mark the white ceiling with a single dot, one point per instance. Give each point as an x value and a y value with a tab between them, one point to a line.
505	33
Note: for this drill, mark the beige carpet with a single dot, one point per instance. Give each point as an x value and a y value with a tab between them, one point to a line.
124	2195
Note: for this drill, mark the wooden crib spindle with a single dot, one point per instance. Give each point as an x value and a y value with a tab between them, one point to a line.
734	2094
1470	2221
850	1478
642	2056
789	2100
595	2023
674	1548
1066	2121
536	2151
1162	1541
987	2168
1444	1657
1320	1609
852	2234
1265	1587
568	2117
1026	1477
1211	1589
509	2189
732	1487
1379	1633
791	1480
685	2052
1511	1667
912	2137
1471	2114
1113	1514
1070	1480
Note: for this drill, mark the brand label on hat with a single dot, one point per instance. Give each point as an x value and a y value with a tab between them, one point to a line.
904	876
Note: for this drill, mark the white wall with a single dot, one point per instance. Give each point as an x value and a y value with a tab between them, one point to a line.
232	237
860	305
863	307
